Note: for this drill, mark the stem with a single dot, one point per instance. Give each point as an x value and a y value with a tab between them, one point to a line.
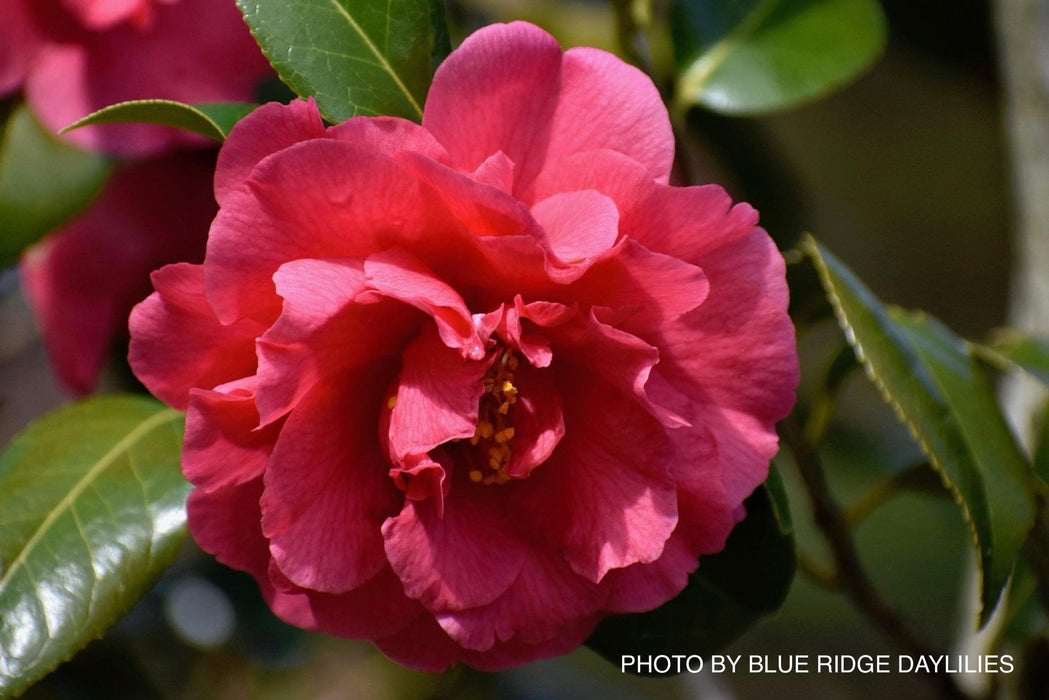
632	37
854	580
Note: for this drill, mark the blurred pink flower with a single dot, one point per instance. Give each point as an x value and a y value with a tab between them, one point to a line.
82	280
465	388
73	57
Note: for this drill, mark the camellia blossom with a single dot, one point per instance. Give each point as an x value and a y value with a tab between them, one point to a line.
73	57
82	280
466	388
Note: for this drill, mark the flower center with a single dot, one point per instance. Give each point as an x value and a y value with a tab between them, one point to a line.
494	434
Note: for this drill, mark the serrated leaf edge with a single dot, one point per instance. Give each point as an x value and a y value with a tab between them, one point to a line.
810	246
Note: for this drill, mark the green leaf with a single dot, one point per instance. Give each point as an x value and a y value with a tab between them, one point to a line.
1013	348
729	592
92	509
213	120
752	56
43	182
939	390
354	57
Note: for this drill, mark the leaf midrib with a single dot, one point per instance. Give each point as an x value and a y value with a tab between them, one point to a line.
144	428
379	55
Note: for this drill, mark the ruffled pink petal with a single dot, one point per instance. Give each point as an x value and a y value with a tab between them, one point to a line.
83	279
389	136
607	103
465	559
376	608
330	323
193	51
643	587
682	222
706	511
545	601
626	360
421	477
496	92
222	446
508	88
177	344
270	128
496	171
537	418
643	289
437	395
744	380
327	492
304	202
396	274
224	522
606	498
580	227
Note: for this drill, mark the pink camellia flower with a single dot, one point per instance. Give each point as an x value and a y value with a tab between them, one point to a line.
82	280
468	387
73	57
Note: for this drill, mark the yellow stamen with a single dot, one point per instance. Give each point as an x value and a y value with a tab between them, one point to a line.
476	476
391	402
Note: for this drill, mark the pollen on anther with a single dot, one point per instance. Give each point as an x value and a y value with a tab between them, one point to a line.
504	435
391	402
476	476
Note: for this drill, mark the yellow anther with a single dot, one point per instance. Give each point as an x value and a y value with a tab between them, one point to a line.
489	480
391	402
494	463
504	435
485	429
508	388
476	475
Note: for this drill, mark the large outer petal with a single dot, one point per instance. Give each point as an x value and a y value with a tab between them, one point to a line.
177	344
508	88
225	523
743	381
83	279
270	128
194	51
327	490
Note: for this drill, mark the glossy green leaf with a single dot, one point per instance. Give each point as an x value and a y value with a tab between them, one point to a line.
92	509
939	390
727	594
751	56
43	182
354	57
213	120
